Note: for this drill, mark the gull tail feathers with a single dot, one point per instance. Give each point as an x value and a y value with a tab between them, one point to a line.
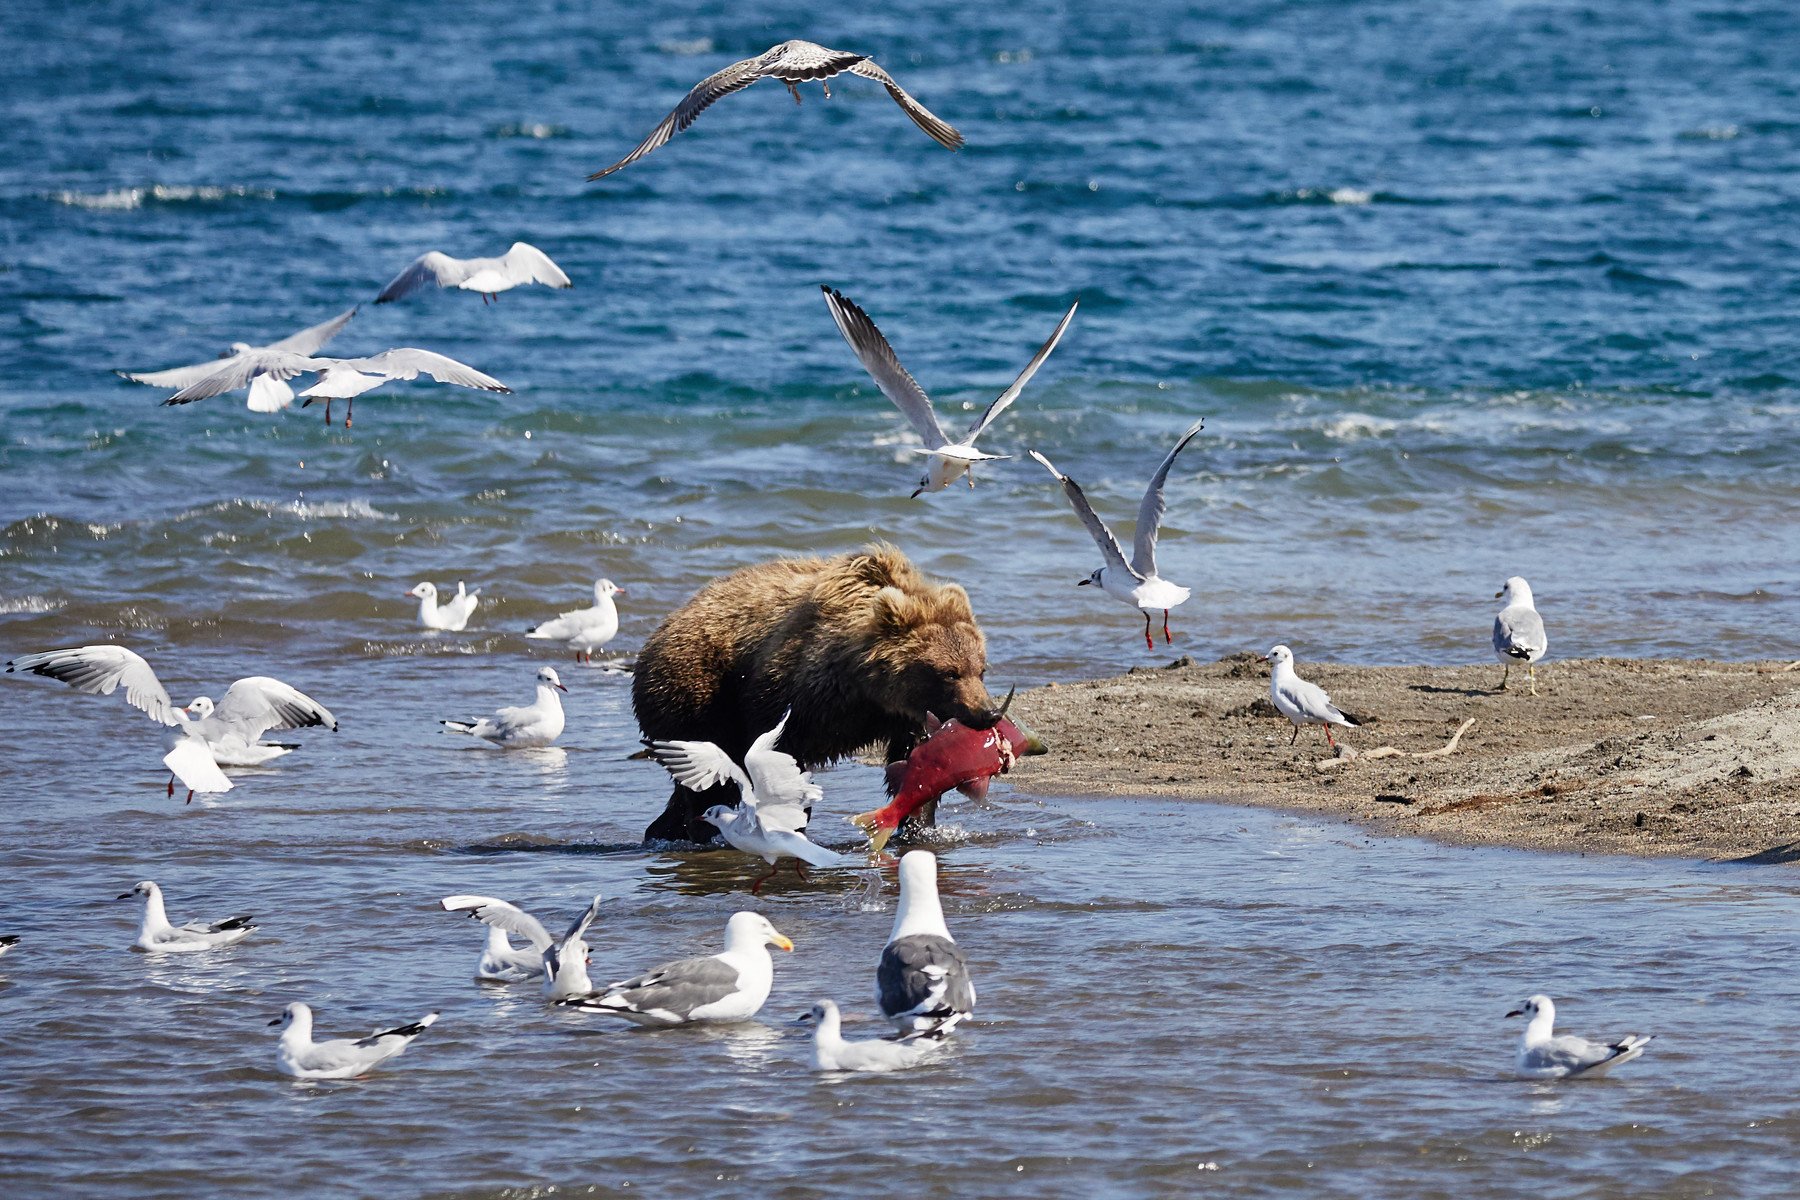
459	726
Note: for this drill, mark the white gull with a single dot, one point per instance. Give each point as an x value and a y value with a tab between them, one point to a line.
267	394
521	727
156	935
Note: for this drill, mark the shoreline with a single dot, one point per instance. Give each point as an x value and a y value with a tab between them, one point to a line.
1683	758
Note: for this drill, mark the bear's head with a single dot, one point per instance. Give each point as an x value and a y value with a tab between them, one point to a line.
926	654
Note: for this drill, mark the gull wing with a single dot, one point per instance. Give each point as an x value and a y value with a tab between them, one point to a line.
311	341
782	794
525	263
192	763
939	130
434	268
735	78
238	371
174	377
880	361
409	362
257	704
501	915
1103	537
1018	385
700	765
1152	508
100	671
553	954
1519	633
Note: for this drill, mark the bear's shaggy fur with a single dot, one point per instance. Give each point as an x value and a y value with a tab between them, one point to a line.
859	647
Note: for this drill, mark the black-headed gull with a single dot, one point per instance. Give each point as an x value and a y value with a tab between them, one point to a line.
267	394
522	264
586	629
339	378
157	936
949	460
1518	631
562	965
830	1052
203	737
776	800
452	616
1301	702
922	982
341	1058
525	726
1133	583
793	63
730	986
1544	1055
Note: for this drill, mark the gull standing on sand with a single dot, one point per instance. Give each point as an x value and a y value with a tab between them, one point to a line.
450	617
1133	583
522	264
949	460
267	394
203	737
1301	702
341	1058
339	378
561	965
830	1052
586	629
1544	1055
922	982
1518	631
157	936
776	799
725	987
793	63
522	727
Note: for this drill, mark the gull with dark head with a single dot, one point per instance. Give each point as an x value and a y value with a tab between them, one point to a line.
157	936
1133	583
267	393
1518	631
522	264
524	726
949	460
792	63
339	378
724	987
1543	1054
562	965
341	1058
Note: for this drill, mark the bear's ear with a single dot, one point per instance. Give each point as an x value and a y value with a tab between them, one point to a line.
894	609
951	604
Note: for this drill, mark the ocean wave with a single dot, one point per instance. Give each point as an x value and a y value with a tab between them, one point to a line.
125	199
30	604
305	510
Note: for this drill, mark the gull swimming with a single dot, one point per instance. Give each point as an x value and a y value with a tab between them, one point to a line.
949	460
522	264
203	737
724	987
267	394
586	629
830	1052
1518	631
562	965
8	941
1544	1055
453	615
776	800
1133	583
922	982
341	1058
157	936
521	727
793	63
339	378
1301	702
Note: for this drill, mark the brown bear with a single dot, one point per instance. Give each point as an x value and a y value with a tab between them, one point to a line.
859	647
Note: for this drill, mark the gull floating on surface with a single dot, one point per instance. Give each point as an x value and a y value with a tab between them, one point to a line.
157	936
830	1052
341	1058
8	941
522	264
562	965
1518	631
267	394
793	63
525	726
1544	1055
450	617
1135	583
730	986
339	378
586	629
922	982
949	460
1301	702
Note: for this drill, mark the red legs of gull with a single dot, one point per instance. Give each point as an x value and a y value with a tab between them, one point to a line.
328	412
1149	642
349	410
1328	738
190	798
171	787
756	888
1166	638
800	870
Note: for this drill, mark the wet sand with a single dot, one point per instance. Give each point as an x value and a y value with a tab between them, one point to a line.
1640	756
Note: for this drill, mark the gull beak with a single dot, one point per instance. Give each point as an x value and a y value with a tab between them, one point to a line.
804	1018
916	493
783	942
126	895
619	591
1517	1012
1499	593
1083	582
561	688
277	1021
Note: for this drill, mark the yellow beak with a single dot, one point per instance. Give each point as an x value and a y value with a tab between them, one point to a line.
783	943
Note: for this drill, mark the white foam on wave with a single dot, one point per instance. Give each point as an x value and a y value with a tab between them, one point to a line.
305	510
30	604
125	199
1349	195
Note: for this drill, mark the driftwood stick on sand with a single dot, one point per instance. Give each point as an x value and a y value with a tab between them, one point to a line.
1348	755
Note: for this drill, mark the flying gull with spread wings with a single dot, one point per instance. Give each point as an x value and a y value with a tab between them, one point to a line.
267	394
522	264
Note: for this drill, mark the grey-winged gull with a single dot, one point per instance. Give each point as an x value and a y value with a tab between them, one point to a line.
341	1058
1545	1055
522	264
585	630
562	965
156	935
1518	631
1301	702
267	394
831	1052
521	726
922	982
339	378
724	987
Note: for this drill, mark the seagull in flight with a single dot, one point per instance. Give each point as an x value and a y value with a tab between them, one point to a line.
1545	1055
203	736
562	965
949	460
267	394
522	264
793	63
1135	583
339	378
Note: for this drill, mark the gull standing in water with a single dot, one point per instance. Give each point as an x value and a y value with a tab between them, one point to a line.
157	936
450	617
341	1058
949	460
561	965
267	394
1518	631
776	800
831	1052
922	982
339	378
1544	1055
1301	702
725	987
1133	583
522	264
204	737
522	727
586	629
793	63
